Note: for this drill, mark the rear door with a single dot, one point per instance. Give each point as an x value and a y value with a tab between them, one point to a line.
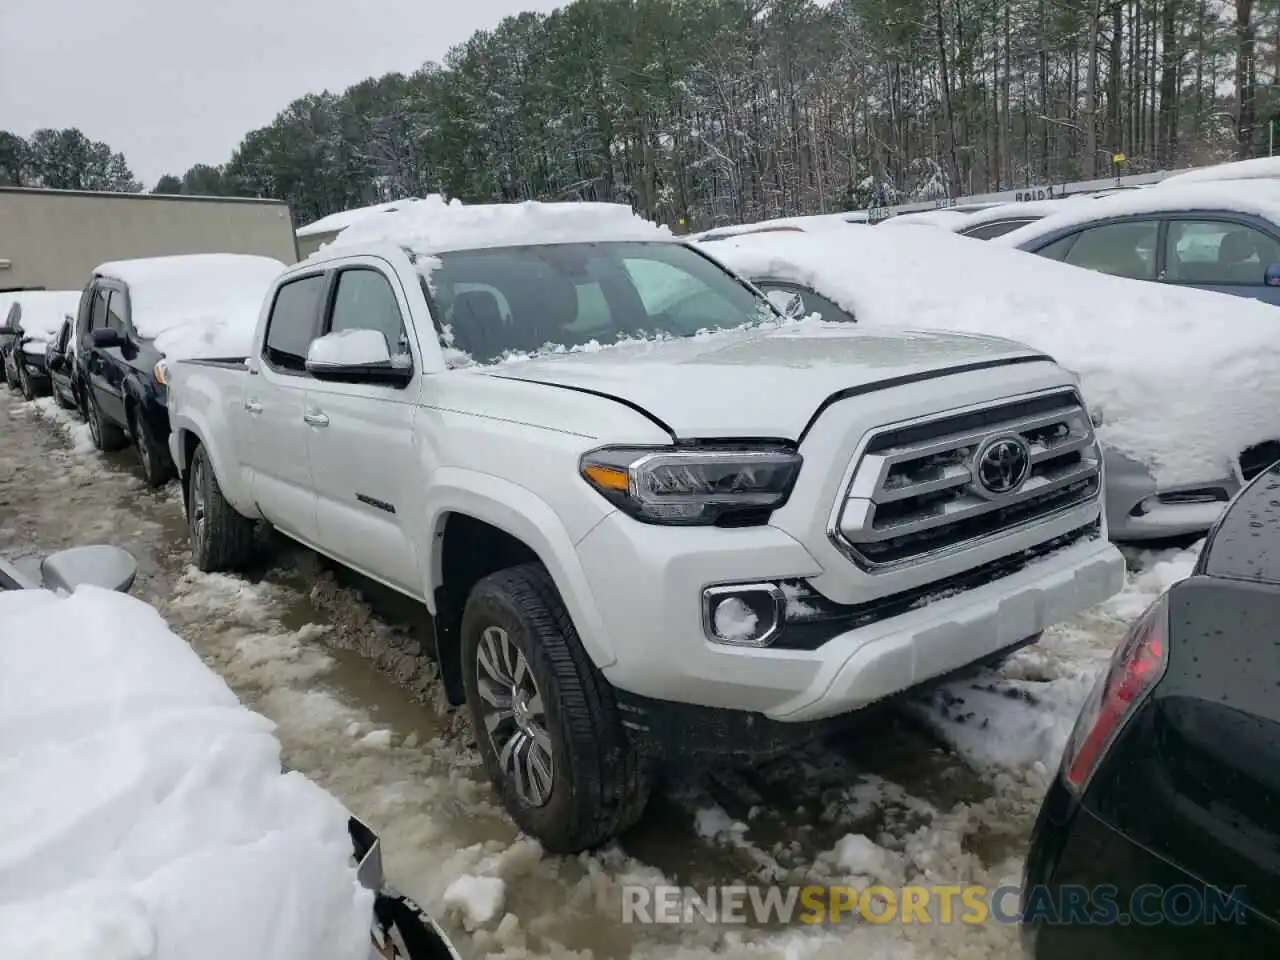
360	437
275	401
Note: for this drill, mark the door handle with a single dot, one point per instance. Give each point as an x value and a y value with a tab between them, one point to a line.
316	419
253	406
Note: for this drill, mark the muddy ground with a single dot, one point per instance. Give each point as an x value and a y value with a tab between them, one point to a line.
338	666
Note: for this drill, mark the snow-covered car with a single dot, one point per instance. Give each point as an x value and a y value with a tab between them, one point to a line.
652	519
36	315
1259	168
996	221
137	315
1219	236
144	812
1185	384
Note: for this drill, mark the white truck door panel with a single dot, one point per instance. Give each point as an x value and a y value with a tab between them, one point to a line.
360	439
275	404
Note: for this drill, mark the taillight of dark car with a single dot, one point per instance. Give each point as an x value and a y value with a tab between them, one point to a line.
1136	667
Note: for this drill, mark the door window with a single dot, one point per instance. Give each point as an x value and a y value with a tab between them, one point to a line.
1121	249
292	324
1217	252
997	228
98	310
115	313
365	301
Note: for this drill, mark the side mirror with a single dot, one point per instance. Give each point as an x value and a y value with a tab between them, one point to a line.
357	356
1272	277
100	566
789	304
106	337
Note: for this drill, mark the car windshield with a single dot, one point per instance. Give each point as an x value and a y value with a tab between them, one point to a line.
511	300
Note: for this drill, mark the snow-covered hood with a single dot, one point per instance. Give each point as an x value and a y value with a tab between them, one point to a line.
1185	379
759	382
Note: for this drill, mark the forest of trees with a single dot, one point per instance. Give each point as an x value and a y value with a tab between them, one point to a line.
701	112
64	160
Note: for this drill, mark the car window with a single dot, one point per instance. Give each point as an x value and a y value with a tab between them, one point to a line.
997	228
810	302
1217	251
115	312
1058	249
98	310
292	324
365	301
1125	249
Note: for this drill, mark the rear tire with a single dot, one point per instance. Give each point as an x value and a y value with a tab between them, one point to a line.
221	539
157	465
106	436
550	708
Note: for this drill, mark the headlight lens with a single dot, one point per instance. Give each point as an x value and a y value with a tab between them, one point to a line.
699	486
162	373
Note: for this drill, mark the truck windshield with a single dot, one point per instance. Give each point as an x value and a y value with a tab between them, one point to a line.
496	302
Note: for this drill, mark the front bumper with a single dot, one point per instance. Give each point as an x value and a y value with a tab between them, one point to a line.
651	579
1139	510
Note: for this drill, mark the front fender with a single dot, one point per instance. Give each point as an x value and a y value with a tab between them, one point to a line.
522	514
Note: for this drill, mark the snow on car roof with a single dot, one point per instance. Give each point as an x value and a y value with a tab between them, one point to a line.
143	804
944	217
44	310
1261	198
1025	208
344	218
197	305
1186	379
434	225
1257	168
822	221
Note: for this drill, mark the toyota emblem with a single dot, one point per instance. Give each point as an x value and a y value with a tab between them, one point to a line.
1003	465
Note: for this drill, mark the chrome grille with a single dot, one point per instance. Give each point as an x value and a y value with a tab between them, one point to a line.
920	489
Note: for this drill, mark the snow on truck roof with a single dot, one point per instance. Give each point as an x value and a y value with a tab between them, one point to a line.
1186	379
344	218
196	305
434	225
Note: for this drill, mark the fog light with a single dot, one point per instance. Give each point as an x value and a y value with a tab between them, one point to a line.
743	614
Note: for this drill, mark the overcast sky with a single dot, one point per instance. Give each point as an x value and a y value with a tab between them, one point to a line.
171	83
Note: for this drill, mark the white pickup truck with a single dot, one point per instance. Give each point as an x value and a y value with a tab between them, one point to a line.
699	541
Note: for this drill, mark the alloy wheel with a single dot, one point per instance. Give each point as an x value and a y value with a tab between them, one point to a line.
514	716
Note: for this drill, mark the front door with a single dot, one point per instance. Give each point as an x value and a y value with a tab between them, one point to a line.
361	440
104	366
274	402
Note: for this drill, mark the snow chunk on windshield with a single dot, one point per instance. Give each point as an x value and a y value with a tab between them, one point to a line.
139	798
198	305
434	224
1185	379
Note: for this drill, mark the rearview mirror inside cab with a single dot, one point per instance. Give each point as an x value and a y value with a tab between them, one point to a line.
357	356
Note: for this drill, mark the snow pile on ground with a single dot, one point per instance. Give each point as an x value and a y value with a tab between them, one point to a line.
143	811
433	225
42	314
1185	379
1258	197
75	429
197	305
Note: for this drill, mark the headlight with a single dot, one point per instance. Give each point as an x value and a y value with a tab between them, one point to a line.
698	486
162	373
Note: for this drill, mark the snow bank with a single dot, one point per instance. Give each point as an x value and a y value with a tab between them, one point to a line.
344	218
1185	379
1258	197
199	305
432	225
144	806
43	312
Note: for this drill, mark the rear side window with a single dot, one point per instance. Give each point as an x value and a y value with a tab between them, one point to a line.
996	228
292	324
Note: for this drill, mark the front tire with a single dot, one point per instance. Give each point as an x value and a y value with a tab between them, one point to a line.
106	436
221	539
24	382
545	721
157	465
